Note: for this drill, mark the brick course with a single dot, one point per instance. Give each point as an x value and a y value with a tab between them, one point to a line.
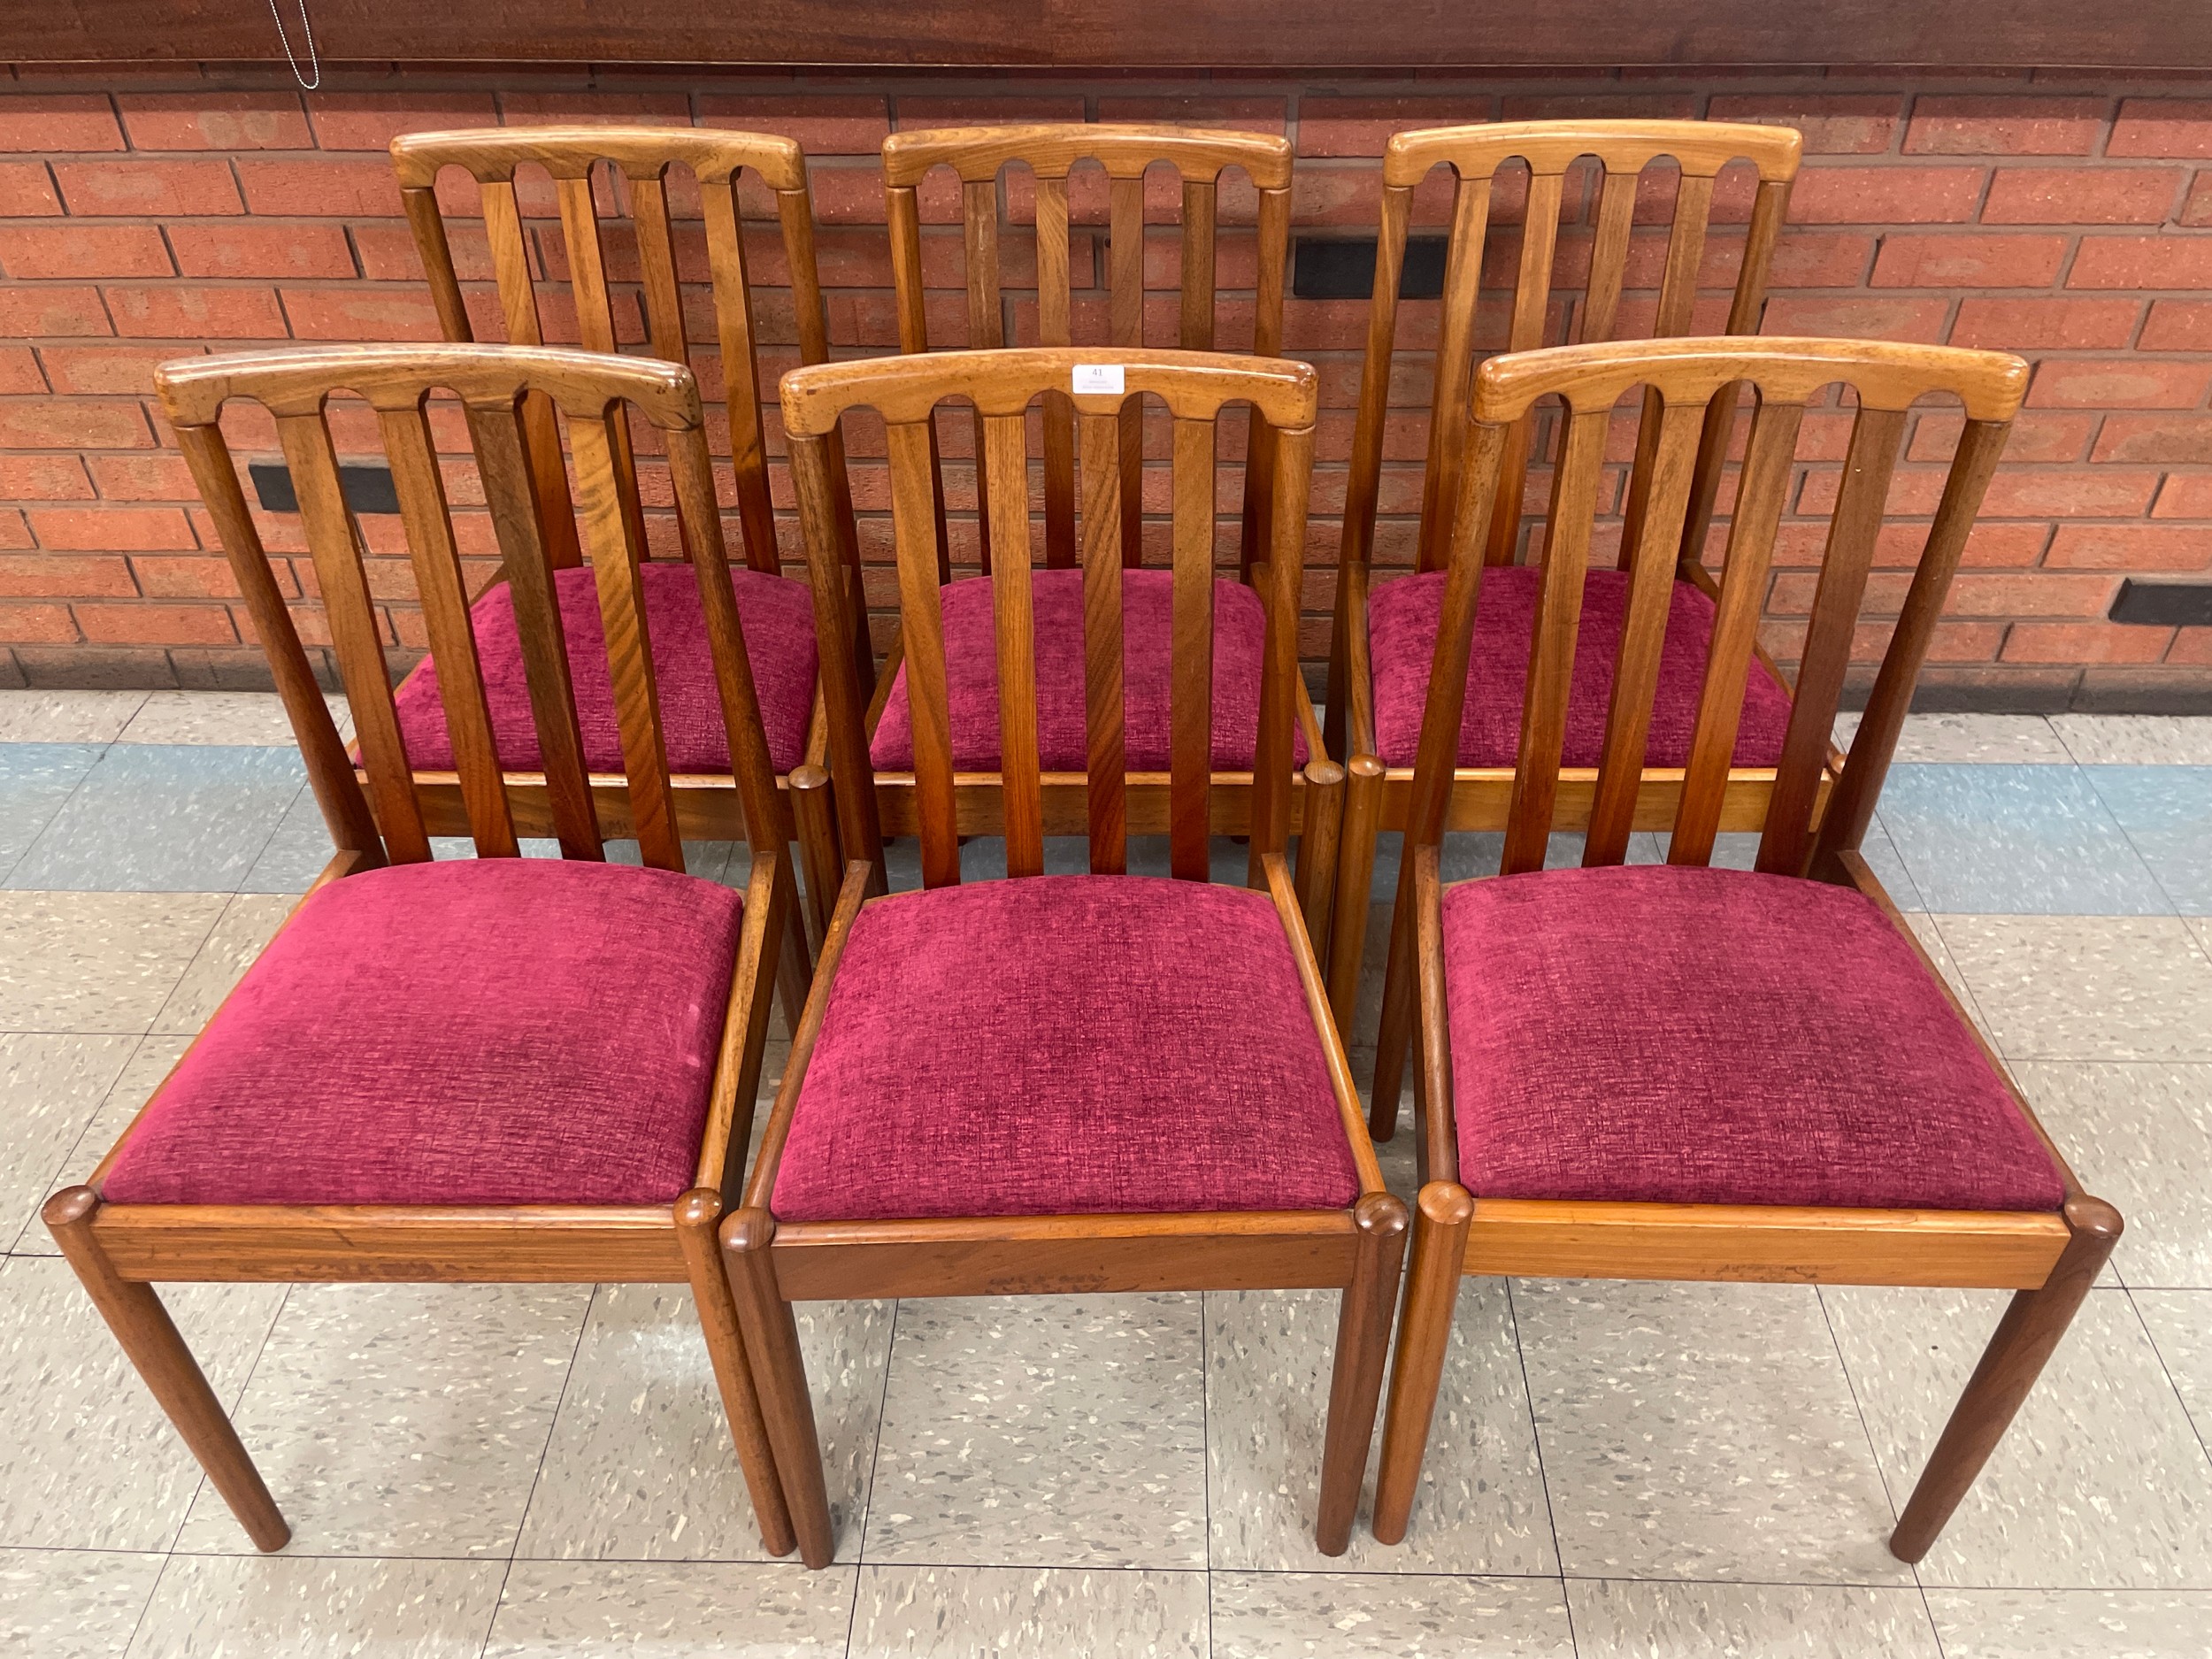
215	209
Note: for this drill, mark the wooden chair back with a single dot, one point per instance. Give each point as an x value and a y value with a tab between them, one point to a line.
497	386
1195	386
642	156
1623	149
1199	156
1681	378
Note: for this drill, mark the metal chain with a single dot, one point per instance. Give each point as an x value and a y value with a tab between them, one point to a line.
308	29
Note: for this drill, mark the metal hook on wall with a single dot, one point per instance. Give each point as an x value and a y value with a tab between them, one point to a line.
308	30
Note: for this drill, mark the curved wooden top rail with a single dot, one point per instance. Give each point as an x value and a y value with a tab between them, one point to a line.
567	152
1194	385
977	153
1703	148
1885	374
193	390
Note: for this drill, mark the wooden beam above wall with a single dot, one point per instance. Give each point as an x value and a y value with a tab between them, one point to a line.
1319	36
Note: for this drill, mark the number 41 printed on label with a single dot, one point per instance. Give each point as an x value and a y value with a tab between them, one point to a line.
1096	377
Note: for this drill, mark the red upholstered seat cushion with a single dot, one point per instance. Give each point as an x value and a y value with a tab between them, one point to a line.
1401	620
484	1032
1686	1035
1056	606
1062	1045
776	614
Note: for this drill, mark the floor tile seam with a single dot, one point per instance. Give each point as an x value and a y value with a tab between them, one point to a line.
8	875
146	1608
1858	1407
875	1454
60	1179
1535	1437
552	1426
1206	1452
2140	857
2158	1354
245	1387
499	1601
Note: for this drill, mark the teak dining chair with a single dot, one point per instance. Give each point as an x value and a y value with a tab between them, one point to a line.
1054	1084
1199	158
1379	646
1676	1072
778	618
492	1070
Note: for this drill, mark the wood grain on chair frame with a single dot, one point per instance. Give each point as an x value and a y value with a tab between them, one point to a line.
120	1250
1376	795
2049	1258
1356	1248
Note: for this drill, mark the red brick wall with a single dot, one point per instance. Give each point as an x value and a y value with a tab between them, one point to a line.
2066	220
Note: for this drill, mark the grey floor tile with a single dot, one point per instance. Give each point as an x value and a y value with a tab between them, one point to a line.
2016	739
1043	1430
402	1419
2180	1325
1879	850
1295	1615
2140	1134
96	961
1022	1612
72	1603
2167	813
232	718
1616	1619
221	1606
577	1611
640	1466
66	716
164	819
2068	1623
295	853
89	1461
1701	1432
150	1062
2136	740
1932	940
2100	1483
51	1088
35	778
248	923
2017	841
2086	987
1481	1506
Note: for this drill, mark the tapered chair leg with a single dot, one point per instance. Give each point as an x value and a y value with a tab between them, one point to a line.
143	1325
1439	1251
1317	851
698	1212
1393	1033
814	817
771	1345
1363	1345
2023	1340
1355	885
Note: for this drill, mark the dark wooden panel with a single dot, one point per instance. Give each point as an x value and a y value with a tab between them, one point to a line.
1284	35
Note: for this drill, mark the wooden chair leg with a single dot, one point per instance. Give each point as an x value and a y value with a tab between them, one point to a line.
2023	1340
1393	1033
1363	1345
1354	885
794	974
772	1345
814	816
143	1325
697	1214
1425	1331
1317	851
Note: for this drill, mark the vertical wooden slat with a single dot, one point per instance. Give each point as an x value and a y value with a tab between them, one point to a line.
1678	300
663	304
921	621
1558	623
1532	296
1267	341
1196	327
1760	494
1851	806
519	304
595	321
986	324
902	210
335	541
508	494
445	613
1278	672
1455	370
1744	311
844	705
1191	662
1608	258
1053	301
1014	630
1125	288
428	224
1106	749
1861	501
614	570
329	770
740	372
1650	562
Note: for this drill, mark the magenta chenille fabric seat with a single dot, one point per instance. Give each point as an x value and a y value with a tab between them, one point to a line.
778	618
484	1032
1065	1045
1057	607
1681	1034
1401	643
